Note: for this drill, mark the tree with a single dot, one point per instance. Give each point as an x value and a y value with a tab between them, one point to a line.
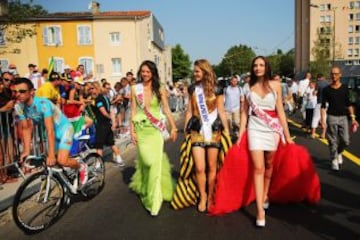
321	52
287	64
181	63
236	60
17	14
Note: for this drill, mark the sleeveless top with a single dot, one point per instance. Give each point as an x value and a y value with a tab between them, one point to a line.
268	103
210	101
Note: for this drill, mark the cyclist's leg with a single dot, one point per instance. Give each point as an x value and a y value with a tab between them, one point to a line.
64	146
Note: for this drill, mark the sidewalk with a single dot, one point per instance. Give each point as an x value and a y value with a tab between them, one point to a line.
9	189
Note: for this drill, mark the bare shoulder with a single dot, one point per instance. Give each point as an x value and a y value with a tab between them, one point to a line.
275	85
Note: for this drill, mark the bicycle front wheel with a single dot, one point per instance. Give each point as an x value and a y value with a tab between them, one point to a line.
96	175
38	202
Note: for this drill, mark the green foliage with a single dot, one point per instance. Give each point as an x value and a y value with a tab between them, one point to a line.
283	63
321	52
181	63
236	60
13	24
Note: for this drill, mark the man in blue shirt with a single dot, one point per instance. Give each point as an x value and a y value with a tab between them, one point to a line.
58	128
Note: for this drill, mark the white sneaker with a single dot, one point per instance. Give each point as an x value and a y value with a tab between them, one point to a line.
119	161
335	165
340	159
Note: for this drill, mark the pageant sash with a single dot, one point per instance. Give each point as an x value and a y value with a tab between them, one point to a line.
272	122
154	121
206	118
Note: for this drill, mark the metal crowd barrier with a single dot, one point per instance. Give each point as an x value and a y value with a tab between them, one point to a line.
11	142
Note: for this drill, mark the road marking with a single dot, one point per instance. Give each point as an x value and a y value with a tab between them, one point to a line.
347	154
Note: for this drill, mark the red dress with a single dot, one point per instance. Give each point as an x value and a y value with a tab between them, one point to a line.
294	178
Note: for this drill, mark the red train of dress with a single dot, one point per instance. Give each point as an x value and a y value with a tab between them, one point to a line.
294	178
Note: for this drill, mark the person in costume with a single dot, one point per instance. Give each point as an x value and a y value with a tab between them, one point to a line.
264	99
152	179
205	119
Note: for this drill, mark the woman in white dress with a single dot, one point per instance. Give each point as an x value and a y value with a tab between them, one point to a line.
266	124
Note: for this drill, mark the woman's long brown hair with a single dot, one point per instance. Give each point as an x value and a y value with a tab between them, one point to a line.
267	76
209	78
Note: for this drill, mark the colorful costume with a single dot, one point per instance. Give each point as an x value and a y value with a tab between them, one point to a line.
186	193
152	179
294	178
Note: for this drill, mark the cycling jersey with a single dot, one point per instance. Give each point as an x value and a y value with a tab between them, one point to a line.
42	108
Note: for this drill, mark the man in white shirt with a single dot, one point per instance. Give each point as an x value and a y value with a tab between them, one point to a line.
234	97
303	85
34	76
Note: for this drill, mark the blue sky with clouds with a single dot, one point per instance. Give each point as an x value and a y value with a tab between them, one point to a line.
207	29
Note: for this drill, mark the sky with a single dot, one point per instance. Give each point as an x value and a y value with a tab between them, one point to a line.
208	28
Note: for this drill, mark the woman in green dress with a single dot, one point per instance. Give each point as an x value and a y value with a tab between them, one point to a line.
152	179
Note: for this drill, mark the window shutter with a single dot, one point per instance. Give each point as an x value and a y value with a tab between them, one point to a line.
45	36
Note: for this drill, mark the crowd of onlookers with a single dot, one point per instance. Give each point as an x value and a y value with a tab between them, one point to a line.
73	91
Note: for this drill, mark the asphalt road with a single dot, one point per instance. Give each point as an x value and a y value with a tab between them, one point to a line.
117	212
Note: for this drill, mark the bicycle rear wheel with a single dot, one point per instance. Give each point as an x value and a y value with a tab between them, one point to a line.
37	202
96	175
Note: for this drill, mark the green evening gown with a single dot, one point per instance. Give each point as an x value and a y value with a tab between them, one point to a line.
152	179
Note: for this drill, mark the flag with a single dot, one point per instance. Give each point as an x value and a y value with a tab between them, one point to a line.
51	67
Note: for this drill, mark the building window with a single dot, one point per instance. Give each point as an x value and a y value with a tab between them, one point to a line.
115	38
350	40
322	7
328	30
351	17
84	35
357	4
99	68
88	64
350	29
356	52
4	63
357	28
328	18
351	5
2	38
357	16
348	62
350	52
116	66
322	19
356	62
52	36
328	7
58	64
357	40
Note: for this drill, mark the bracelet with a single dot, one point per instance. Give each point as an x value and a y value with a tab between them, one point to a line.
174	130
352	116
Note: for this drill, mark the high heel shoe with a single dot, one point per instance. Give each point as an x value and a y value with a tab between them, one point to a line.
260	223
266	205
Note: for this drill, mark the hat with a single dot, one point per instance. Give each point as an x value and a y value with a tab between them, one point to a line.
79	80
67	67
67	77
31	65
54	76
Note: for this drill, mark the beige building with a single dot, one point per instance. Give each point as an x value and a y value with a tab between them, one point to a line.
108	44
338	22
123	40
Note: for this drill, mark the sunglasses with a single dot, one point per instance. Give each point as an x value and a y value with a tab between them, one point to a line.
20	91
6	79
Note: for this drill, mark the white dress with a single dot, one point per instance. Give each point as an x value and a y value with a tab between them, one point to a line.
260	135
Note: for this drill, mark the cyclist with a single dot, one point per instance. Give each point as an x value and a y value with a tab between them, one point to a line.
58	128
